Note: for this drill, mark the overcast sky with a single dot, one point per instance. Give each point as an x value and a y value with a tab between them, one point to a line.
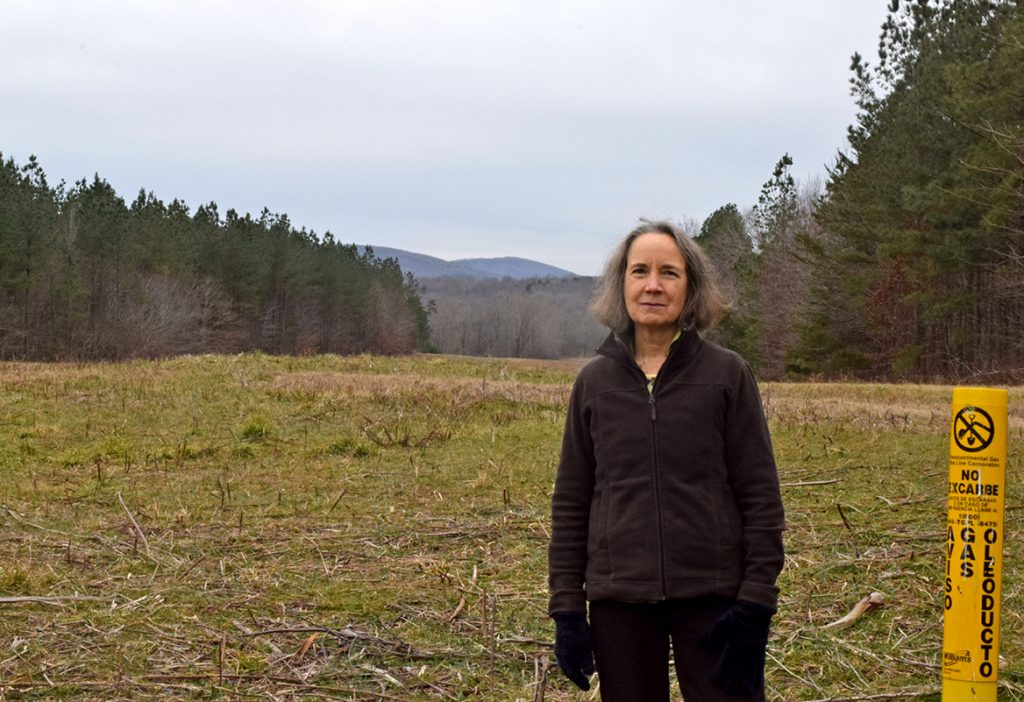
540	129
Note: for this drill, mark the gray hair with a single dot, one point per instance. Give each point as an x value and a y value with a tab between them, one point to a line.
705	303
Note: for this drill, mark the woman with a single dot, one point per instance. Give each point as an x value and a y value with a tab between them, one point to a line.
666	514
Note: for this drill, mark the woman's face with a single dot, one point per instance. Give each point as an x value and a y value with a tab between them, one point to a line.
655	285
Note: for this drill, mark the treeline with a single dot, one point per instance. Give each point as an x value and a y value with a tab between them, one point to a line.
85	276
529	318
910	263
921	273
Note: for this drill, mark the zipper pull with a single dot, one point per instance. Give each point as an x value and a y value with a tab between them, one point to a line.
654	411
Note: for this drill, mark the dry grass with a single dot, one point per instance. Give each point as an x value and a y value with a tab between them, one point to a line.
387	387
375	529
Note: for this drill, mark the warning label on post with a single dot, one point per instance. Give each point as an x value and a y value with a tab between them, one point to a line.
974	535
973	429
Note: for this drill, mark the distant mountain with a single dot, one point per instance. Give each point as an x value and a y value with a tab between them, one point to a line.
423	266
512	267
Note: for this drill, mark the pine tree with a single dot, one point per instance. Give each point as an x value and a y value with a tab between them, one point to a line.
908	206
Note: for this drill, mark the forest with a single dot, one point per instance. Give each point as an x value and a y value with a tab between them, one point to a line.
86	276
905	263
515	318
908	263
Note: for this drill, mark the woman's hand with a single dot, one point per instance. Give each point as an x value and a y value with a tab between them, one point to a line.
738	640
573	648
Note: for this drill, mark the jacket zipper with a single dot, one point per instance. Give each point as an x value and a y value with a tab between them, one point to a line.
657	489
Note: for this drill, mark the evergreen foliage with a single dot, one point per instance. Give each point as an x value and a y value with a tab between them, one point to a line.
725	240
764	270
921	273
85	276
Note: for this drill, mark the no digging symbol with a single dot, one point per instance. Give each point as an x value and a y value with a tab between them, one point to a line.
973	429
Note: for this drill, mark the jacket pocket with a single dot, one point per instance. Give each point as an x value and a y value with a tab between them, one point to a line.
598	561
631	530
702	538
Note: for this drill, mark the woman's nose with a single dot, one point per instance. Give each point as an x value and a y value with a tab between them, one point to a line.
653	283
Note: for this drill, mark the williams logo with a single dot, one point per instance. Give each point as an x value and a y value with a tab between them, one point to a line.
954	657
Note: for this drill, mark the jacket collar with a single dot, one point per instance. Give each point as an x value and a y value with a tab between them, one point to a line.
681	351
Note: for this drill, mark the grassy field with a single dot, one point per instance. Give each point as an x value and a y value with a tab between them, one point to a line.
371	528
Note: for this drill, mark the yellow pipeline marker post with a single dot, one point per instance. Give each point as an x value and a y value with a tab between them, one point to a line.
974	545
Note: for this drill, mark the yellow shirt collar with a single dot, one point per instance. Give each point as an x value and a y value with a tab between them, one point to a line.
652	376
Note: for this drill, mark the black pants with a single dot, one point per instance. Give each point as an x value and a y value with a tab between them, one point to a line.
631	649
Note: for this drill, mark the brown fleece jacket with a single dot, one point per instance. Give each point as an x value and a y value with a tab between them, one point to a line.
666	494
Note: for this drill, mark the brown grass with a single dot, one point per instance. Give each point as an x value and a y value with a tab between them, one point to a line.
375	528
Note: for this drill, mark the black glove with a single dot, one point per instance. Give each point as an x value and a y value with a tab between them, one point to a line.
738	640
573	649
